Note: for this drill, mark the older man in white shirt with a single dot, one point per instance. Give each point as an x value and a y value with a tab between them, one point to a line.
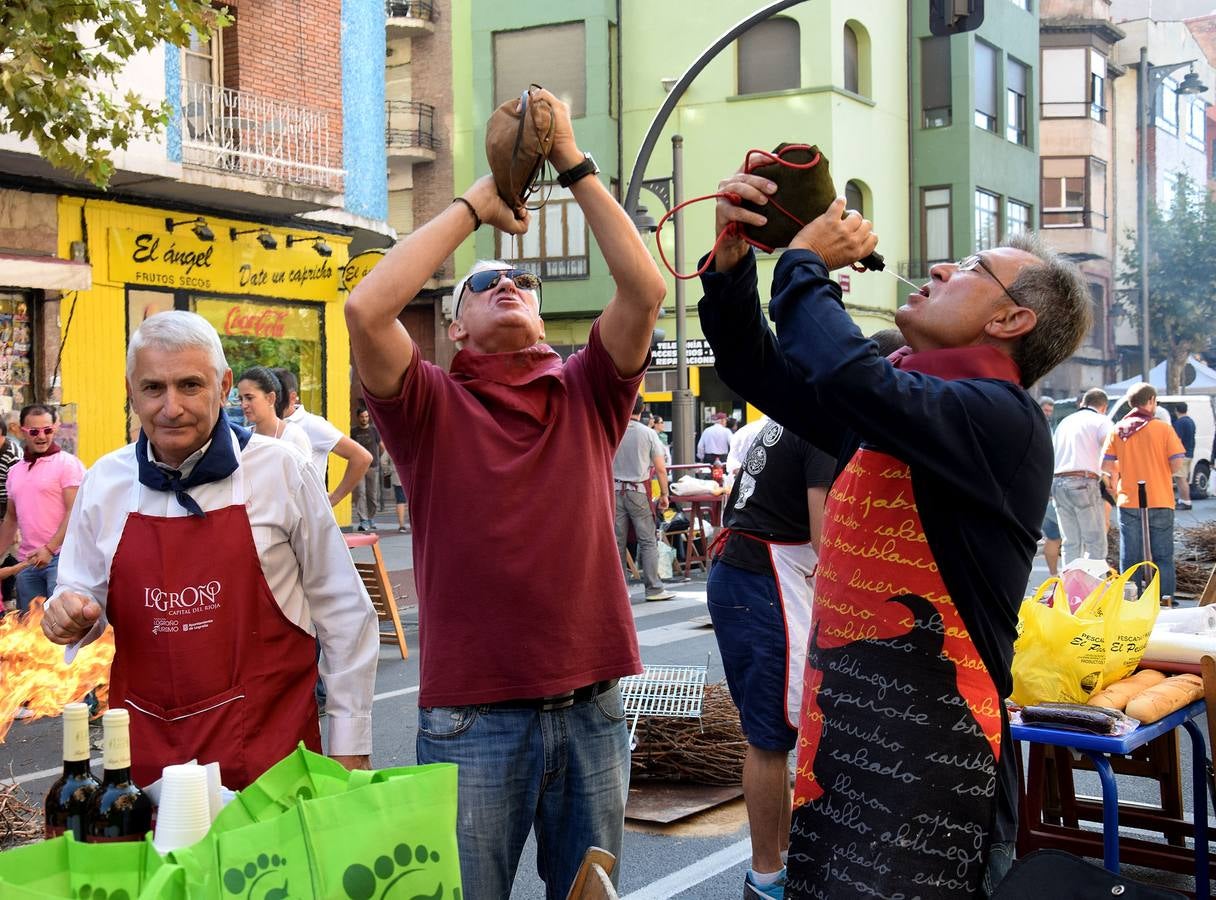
1080	510
213	553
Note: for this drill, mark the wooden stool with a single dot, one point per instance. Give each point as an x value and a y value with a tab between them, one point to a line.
375	579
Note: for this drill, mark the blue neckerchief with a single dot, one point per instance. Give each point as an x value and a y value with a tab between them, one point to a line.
216	464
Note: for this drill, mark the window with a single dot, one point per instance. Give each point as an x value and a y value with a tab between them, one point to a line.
1212	161
1097	87
987	220
552	55
935	222
770	57
1074	192
852	79
854	198
555	247
1064	83
1019	218
1015	102
1097	334
935	82
985	86
1167	106
1195	125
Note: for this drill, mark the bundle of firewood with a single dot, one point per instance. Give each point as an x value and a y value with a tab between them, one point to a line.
1199	543
708	750
20	821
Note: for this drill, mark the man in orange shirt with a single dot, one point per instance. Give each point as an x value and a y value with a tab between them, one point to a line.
1143	448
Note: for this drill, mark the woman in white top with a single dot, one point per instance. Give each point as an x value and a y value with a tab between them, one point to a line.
262	402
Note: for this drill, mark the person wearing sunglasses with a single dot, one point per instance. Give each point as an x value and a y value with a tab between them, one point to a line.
507	462
930	533
41	491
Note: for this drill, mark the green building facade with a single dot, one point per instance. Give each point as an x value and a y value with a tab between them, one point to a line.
974	112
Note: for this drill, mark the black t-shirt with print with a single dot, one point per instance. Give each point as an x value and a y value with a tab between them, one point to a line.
768	500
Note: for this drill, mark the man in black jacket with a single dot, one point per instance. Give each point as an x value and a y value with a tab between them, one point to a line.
930	531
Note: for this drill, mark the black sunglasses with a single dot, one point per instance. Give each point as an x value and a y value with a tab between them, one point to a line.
489	278
975	260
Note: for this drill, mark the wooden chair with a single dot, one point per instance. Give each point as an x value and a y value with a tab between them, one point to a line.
375	579
592	881
1209	593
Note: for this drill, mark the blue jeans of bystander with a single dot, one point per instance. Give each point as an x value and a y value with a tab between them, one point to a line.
563	772
1161	539
33	583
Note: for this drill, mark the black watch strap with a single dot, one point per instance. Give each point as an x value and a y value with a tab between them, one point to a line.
581	170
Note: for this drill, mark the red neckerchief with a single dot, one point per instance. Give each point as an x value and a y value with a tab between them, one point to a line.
955	363
1132	422
32	457
522	380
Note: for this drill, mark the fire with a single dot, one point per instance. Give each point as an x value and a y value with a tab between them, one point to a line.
32	670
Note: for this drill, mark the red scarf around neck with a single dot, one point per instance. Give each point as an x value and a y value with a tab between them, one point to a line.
1133	422
31	457
956	363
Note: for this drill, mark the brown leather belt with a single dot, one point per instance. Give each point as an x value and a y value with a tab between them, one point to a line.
559	701
1081	473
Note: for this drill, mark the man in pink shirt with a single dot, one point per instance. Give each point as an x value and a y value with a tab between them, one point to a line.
41	490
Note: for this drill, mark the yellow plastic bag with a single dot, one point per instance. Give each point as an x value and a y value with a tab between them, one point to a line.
1066	657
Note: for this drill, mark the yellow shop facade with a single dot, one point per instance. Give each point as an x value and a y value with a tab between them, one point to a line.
273	294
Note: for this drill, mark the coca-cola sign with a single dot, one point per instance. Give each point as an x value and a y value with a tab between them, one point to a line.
256	322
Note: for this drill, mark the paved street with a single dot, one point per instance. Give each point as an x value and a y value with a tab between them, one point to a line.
704	857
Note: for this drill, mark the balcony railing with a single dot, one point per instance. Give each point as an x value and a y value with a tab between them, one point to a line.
408	123
247	134
410	9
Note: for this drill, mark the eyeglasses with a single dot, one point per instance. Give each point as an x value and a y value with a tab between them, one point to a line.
976	261
489	278
34	432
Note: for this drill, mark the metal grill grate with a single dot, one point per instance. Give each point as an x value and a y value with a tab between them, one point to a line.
674	692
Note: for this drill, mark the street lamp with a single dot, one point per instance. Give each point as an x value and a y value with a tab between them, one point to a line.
670	192
1149	79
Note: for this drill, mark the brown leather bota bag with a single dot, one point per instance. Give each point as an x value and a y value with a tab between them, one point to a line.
517	145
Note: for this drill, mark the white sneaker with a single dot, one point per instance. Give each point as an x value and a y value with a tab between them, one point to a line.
24	712
661	594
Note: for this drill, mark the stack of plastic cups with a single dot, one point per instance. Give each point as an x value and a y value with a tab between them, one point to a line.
184	816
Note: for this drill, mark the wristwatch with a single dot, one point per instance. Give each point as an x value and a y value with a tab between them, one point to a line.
580	170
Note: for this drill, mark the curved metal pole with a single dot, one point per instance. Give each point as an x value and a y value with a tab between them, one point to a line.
660	118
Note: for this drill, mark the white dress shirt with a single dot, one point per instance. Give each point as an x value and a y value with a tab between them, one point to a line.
1079	440
304	559
323	436
296	436
715	439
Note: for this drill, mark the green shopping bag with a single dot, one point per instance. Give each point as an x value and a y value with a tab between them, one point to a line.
308	831
63	869
393	837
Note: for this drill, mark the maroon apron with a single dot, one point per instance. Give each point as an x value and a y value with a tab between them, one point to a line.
205	660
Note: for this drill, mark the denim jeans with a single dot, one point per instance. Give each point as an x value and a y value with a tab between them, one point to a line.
635	506
1082	517
1161	537
34	582
564	773
1000	861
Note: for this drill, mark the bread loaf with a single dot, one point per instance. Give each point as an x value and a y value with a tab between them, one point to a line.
1162	699
1117	695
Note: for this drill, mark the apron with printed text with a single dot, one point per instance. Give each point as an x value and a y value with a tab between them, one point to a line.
205	660
900	727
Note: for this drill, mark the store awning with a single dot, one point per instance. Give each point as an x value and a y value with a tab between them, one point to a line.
46	272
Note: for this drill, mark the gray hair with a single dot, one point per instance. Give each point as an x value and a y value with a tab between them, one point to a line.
480	266
1055	289
178	329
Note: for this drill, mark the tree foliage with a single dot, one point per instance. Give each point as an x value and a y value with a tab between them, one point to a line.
58	63
1181	277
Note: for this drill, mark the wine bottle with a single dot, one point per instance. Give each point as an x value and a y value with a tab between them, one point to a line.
67	802
119	811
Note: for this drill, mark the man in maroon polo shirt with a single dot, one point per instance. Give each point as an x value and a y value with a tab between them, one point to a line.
507	459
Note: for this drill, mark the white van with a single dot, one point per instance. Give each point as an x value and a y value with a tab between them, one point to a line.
1201	408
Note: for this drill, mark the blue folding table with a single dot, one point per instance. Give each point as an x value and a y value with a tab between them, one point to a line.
1099	749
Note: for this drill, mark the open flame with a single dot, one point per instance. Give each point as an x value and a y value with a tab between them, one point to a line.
33	673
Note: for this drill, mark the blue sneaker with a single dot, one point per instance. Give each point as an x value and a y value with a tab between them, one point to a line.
774	891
